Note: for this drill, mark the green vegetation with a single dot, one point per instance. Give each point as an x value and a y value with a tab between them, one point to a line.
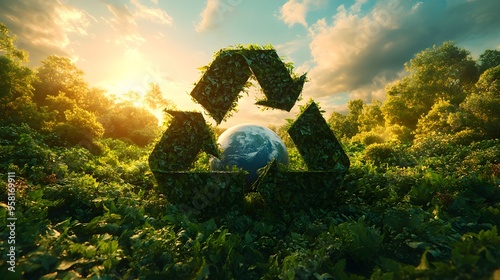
421	198
222	82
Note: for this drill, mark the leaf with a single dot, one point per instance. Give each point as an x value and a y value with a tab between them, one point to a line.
49	276
108	264
323	276
416	244
36	195
424	264
204	271
248	237
65	265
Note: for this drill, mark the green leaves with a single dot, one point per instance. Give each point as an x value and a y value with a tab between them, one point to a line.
219	88
316	142
442	72
98	220
187	135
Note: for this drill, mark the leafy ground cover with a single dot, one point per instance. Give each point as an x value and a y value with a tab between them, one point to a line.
428	210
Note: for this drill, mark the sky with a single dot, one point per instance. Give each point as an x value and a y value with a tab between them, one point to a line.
349	49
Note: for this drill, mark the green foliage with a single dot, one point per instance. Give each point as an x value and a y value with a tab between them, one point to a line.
379	152
187	135
80	125
370	137
16	103
349	125
384	134
59	75
316	142
439	120
489	81
130	123
445	72
7	47
482	113
222	81
101	217
80	113
488	59
371	117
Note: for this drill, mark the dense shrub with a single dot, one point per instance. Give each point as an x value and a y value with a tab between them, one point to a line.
379	152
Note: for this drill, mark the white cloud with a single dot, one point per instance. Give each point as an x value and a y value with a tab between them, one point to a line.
152	14
209	16
124	24
44	27
124	21
215	12
360	51
295	11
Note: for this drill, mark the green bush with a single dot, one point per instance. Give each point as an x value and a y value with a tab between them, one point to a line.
379	152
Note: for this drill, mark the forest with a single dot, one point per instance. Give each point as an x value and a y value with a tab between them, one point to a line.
421	199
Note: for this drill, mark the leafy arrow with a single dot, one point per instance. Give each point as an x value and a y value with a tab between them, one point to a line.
219	88
187	135
281	89
316	142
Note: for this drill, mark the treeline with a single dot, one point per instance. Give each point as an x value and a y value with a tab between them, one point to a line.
55	100
446	94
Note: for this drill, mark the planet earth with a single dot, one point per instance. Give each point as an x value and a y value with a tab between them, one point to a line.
249	147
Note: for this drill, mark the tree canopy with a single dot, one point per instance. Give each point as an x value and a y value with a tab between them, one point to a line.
16	103
489	59
445	92
441	72
55	98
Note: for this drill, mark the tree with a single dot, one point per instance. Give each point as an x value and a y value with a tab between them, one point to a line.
7	47
489	81
16	97
59	74
371	116
489	59
338	124
446	72
126	121
347	125
80	126
97	101
481	110
439	120
355	109
59	104
154	98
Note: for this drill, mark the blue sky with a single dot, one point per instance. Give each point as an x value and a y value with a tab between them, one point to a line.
350	49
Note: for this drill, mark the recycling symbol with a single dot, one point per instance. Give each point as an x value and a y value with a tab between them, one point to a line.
218	90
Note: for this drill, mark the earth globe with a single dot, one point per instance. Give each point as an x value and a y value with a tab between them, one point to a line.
249	147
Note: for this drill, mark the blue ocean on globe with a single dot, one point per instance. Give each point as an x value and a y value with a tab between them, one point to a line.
249	147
